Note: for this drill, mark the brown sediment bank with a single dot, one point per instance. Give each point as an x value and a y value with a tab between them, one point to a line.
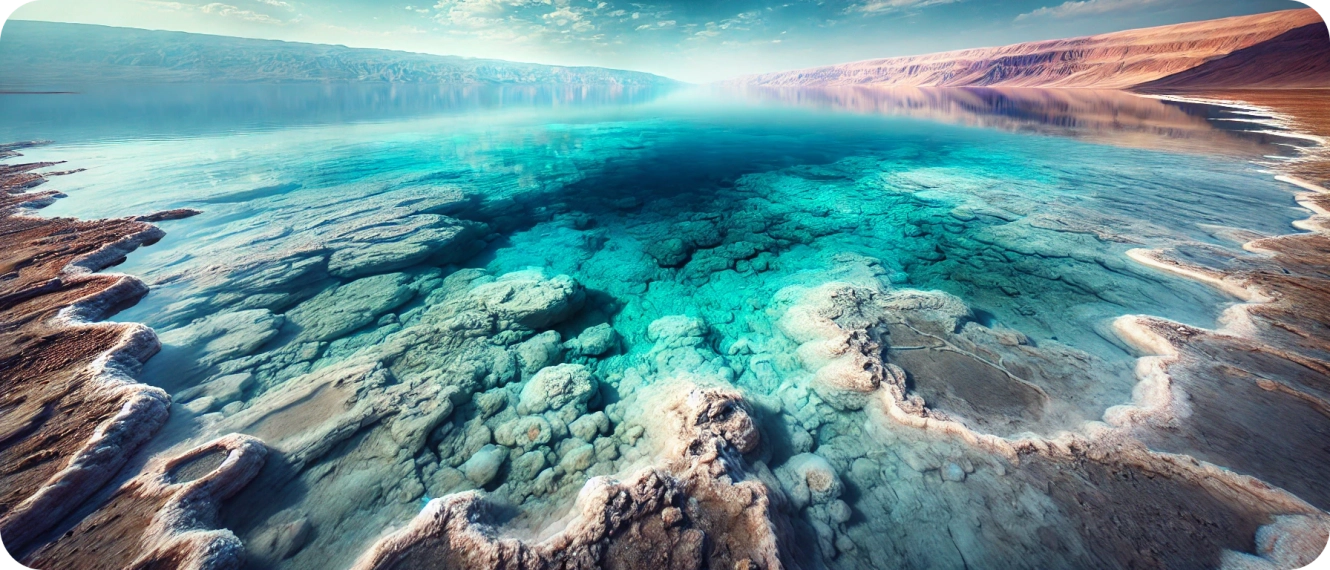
1300	111
73	412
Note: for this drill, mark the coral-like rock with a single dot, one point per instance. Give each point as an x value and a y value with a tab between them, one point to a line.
690	514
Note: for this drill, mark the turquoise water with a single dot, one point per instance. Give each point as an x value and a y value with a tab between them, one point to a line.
690	225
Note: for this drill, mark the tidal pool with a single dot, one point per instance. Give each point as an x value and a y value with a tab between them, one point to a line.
408	295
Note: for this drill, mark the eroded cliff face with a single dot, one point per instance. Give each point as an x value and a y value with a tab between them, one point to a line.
1117	60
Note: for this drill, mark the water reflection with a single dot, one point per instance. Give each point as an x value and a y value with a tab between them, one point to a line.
116	110
1109	117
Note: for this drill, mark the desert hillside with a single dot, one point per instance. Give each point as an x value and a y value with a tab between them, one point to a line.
1272	48
58	55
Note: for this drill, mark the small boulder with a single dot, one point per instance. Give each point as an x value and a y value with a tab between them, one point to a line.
953	472
594	341
286	533
556	387
809	478
527	466
587	427
482	467
538	352
526	299
525	432
577	457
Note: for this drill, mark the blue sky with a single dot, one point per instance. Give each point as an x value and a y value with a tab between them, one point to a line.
686	39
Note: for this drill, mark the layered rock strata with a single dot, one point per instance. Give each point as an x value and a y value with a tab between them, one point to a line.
1273	50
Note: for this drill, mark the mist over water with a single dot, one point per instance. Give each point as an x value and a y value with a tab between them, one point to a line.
661	238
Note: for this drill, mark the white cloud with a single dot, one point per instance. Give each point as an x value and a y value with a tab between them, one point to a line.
563	16
474	13
218	9
229	11
277	4
874	7
164	6
1079	8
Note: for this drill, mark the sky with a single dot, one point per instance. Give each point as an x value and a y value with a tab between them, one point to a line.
690	40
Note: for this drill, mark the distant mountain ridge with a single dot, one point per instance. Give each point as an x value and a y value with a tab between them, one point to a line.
1279	50
54	54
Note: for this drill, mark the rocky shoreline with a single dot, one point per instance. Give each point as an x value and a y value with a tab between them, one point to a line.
74	412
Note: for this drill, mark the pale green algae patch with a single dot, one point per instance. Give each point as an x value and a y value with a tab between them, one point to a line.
405	312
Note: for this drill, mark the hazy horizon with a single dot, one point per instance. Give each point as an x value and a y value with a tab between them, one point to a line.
690	41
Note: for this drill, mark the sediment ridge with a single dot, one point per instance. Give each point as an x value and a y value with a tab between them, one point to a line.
73	411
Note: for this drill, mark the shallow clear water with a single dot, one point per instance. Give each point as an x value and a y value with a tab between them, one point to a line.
328	235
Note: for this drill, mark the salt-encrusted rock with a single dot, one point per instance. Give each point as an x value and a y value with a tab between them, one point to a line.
526	299
556	387
946	312
349	306
809	479
838	326
482	467
167	513
690	513
594	341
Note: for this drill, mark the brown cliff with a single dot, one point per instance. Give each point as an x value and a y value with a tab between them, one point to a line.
1267	50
